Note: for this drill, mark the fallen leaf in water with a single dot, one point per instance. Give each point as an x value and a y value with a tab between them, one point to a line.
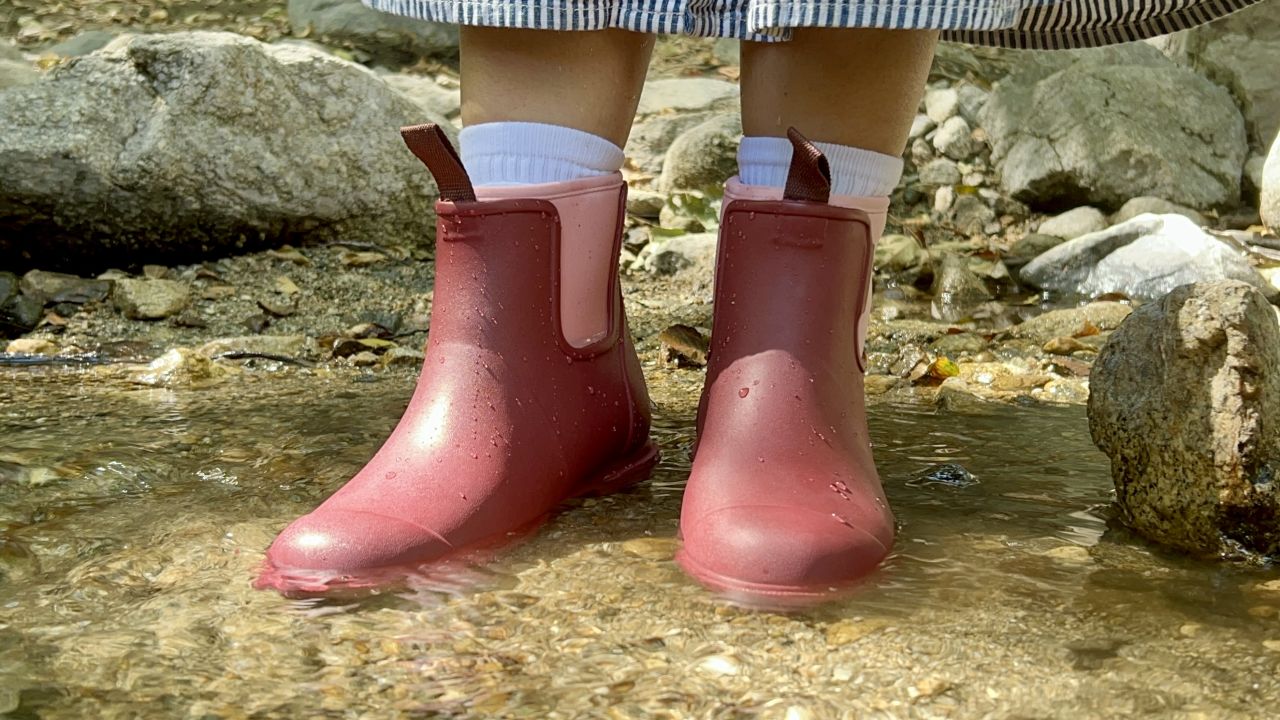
352	258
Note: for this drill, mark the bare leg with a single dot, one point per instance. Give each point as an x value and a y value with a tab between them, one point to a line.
858	87
589	81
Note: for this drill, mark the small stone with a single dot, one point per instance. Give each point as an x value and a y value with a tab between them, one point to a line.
149	299
1272	645
287	346
684	346
52	287
1065	346
217	292
950	475
847	632
1264	612
1159	206
181	367
881	384
285	286
155	272
645	203
671	255
720	665
31	346
289	253
1074	223
921	126
1069	554
972	100
943	198
364	359
360	258
650	548
932	687
956	289
402	357
1270	586
940	171
940	104
1102	316
1190	630
970	214
954	139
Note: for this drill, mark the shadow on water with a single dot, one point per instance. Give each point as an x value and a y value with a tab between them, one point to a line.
133	519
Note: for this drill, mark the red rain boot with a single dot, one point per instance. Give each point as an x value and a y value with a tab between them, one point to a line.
784	506
508	419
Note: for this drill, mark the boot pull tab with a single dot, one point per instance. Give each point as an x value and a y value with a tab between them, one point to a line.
433	148
809	177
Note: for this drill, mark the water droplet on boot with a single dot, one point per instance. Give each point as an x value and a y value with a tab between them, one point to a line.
743	392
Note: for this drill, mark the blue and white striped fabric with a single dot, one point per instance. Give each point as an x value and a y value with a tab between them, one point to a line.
1031	24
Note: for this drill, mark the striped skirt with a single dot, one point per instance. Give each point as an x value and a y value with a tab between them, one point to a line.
1030	24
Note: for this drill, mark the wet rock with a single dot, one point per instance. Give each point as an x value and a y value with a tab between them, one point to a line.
1074	223
947	475
941	104
1065	345
954	138
149	299
50	287
181	367
956	289
1112	126
1158	206
154	147
1094	318
940	171
671	255
31	346
429	95
386	37
943	198
1186	402
1270	196
1144	258
18	313
83	43
702	158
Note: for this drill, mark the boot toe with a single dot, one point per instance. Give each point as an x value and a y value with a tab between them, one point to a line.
778	548
346	541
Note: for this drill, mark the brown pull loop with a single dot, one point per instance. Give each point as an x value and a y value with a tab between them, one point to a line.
433	148
809	177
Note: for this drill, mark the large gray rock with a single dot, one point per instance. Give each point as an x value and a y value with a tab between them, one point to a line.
167	147
1185	400
386	37
1099	128
702	158
1159	206
1144	258
1239	52
13	73
1269	204
427	94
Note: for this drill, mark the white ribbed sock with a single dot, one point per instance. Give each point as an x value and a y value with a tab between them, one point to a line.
854	172
523	153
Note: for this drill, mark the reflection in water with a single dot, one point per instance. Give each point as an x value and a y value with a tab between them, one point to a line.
132	522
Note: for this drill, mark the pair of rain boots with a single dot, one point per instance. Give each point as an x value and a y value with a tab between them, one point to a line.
510	417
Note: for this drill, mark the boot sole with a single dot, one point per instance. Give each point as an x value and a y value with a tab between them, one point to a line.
447	569
764	596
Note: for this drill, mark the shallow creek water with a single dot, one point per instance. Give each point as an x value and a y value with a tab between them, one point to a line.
132	520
